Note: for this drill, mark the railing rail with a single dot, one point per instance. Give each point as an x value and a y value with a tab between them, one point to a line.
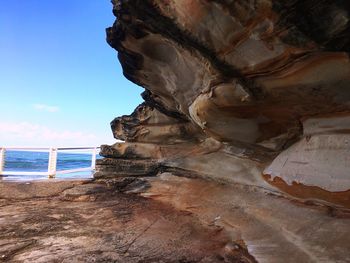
52	162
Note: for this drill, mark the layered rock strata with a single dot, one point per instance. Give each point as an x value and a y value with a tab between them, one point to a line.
247	92
254	98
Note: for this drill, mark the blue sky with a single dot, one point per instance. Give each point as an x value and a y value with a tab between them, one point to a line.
60	82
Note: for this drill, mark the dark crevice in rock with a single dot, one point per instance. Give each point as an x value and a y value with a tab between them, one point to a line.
322	21
150	101
110	167
177	171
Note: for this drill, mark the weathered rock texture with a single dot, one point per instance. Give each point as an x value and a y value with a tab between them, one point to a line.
248	92
95	223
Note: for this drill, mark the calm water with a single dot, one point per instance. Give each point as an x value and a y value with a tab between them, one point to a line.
27	161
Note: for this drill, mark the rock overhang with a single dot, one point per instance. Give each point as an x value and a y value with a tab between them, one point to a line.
251	77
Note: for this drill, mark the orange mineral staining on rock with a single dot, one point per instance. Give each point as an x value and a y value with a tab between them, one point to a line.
310	192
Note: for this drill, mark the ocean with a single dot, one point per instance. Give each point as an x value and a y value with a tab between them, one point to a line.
34	161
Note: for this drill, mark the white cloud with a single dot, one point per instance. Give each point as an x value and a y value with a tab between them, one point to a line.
26	134
44	107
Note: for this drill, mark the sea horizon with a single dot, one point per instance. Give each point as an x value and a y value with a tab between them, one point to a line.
26	160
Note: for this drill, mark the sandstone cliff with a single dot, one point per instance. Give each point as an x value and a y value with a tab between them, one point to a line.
252	93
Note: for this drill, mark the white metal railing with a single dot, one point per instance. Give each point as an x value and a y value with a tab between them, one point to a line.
52	162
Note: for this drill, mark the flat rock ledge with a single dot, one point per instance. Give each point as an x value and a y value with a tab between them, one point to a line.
166	219
99	222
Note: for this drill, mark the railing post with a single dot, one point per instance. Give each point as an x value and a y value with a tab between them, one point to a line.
2	160
93	158
52	162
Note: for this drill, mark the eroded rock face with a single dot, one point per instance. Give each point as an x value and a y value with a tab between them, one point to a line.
249	92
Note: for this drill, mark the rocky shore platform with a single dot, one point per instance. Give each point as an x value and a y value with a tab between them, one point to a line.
82	221
165	219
